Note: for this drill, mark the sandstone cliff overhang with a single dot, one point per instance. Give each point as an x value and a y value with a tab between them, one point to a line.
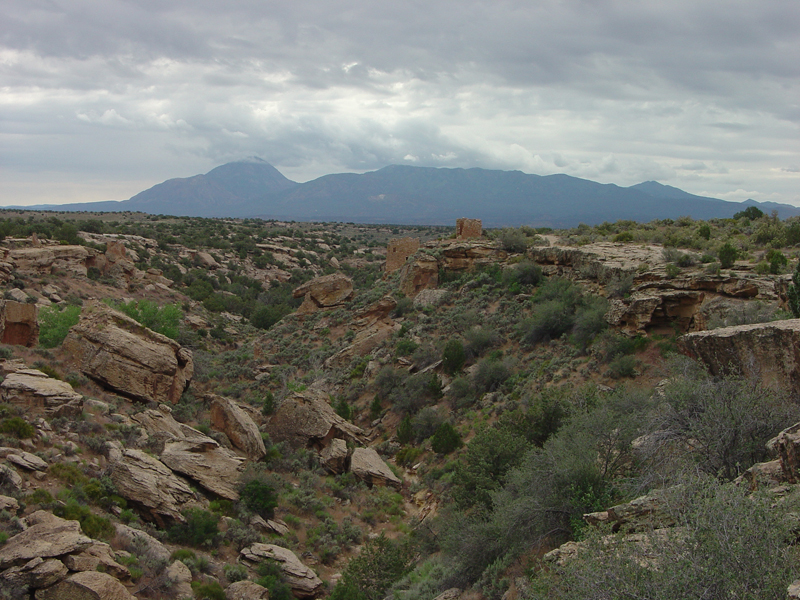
767	351
121	354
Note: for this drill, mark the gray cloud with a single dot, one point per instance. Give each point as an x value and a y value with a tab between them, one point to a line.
121	94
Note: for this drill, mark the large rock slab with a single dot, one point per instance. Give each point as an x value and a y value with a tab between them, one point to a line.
306	419
142	543
127	357
228	417
419	273
767	351
181	578
47	536
36	573
324	292
89	585
369	467
27	461
151	485
334	456
45	260
787	446
303	581
160	422
18	323
37	393
97	557
218	469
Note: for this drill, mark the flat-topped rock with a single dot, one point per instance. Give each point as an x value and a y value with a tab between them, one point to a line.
769	352
27	461
36	392
48	536
88	585
324	292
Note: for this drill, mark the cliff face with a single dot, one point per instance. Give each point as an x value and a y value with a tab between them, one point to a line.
768	351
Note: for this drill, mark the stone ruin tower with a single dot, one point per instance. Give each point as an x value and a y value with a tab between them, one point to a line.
468	228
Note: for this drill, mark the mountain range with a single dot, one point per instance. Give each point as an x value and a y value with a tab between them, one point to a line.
401	194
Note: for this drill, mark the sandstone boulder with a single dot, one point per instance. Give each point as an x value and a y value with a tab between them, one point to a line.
370	468
641	514
9	479
97	557
127	357
27	461
89	585
46	537
373	325
467	255
767	351
37	393
150	485
762	476
181	578
306	419
418	273
233	421
18	323
216	469
142	543
246	590
787	445
303	581
334	456
36	573
160	422
8	503
324	292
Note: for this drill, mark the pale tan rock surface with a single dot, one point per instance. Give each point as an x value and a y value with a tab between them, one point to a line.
47	536
418	273
324	292
45	260
181	578
27	461
160	421
787	445
368	466
18	323
246	590
334	456
306	419
36	392
228	417
217	469
97	557
144	544
767	351
88	585
118	352
303	581
36	573
8	503
9	477
150	484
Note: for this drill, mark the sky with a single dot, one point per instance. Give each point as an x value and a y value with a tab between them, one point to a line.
101	99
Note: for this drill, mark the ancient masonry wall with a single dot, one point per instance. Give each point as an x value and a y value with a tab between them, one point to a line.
398	251
468	228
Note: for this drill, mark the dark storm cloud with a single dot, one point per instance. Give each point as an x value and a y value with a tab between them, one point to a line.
618	91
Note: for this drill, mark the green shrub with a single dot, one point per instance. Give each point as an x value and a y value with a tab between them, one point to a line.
405	432
793	292
369	574
208	590
512	240
54	324
622	366
751	212
446	439
269	576
18	427
260	497
69	473
199	529
94	526
234	573
405	347
343	409
672	270
777	261
727	254
3	537
265	317
161	319
453	357
406	457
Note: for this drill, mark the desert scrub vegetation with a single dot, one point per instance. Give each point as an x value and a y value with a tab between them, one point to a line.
161	319
54	324
725	544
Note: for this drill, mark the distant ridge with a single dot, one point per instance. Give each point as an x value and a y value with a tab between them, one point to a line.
419	195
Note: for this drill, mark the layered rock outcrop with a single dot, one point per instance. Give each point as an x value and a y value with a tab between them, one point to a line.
303	581
18	323
127	357
307	420
150	485
35	392
767	351
327	291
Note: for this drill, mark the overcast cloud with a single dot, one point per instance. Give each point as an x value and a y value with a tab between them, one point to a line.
100	99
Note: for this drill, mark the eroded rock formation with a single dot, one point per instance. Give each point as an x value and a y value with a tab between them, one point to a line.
127	357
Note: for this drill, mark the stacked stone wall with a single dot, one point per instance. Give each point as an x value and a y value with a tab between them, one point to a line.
468	228
398	251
